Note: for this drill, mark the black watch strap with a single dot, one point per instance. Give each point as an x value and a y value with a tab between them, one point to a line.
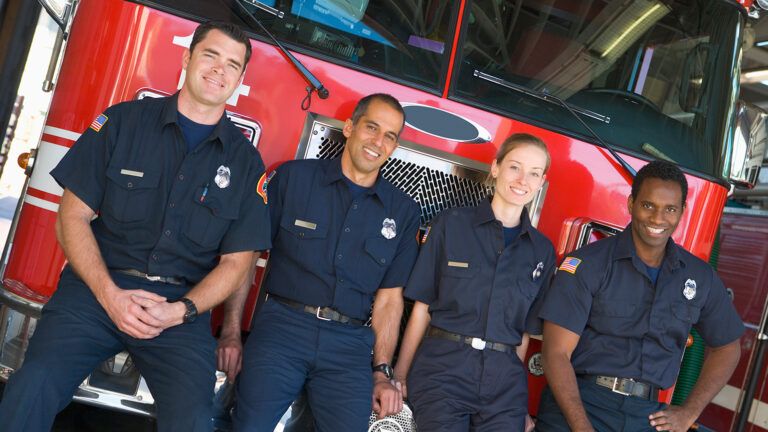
385	369
191	313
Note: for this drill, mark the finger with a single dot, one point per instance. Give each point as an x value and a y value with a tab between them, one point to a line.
222	361
146	318
148	295
231	375
143	301
145	324
376	406
238	365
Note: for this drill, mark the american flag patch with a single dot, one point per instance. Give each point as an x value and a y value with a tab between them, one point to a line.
569	264
99	122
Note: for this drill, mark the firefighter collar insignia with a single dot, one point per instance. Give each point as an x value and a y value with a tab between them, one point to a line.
222	177
690	289
389	228
537	271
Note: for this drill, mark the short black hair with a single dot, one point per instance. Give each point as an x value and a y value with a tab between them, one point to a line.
362	106
662	170
229	29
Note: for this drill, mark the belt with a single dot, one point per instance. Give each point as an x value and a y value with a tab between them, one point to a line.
324	313
474	342
163	279
625	386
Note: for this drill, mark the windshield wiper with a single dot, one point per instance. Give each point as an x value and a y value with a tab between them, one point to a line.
314	83
571	109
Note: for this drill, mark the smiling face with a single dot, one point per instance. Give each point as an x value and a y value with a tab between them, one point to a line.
520	174
370	142
214	69
656	212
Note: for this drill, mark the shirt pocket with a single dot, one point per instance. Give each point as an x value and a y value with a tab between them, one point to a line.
518	303
685	316
304	237
129	194
615	317
374	263
209	218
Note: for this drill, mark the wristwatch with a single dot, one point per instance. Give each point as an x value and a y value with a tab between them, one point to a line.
385	369
191	313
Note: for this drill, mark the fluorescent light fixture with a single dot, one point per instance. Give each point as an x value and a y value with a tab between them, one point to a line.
633	25
754	76
761	43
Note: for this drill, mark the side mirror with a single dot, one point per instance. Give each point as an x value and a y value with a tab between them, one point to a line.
60	11
748	145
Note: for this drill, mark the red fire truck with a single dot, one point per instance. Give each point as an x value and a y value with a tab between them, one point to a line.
608	84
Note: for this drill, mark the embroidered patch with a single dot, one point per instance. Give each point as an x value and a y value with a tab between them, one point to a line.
570	264
261	187
426	234
99	122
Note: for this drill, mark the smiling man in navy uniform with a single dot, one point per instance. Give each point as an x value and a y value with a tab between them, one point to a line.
343	236
617	318
174	184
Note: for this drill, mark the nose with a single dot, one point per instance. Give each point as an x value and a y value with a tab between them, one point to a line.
657	216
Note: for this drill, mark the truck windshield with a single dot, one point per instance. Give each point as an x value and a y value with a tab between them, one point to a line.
405	40
652	77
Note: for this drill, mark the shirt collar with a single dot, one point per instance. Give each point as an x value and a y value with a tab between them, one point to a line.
380	188
484	214
626	249
170	114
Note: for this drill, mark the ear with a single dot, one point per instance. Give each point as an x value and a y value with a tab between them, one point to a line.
185	58
543	180
494	169
347	130
630	201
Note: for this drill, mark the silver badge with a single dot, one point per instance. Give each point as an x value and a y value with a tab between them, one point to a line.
690	289
389	228
222	177
537	271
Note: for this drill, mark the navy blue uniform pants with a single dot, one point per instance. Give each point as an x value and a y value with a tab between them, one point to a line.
289	349
454	387
75	334
607	411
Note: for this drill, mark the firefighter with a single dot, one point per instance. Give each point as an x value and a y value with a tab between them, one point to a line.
343	236
174	185
618	315
476	280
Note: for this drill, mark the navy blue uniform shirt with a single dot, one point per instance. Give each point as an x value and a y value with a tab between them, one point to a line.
630	327
333	250
164	211
473	284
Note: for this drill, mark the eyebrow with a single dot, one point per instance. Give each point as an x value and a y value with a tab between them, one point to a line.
388	133
213	51
520	163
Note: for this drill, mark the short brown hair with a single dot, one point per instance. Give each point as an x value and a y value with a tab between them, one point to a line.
229	29
362	106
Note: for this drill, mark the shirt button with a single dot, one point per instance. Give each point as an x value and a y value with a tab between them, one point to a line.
130	185
383	260
181	176
354	206
339	256
168	233
341	280
301	234
172	205
154	257
347	229
499	252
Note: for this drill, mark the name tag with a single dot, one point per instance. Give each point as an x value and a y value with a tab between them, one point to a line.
132	173
305	224
458	264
